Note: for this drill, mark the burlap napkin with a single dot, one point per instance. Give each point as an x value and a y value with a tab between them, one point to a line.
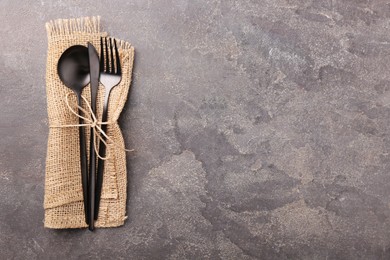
63	200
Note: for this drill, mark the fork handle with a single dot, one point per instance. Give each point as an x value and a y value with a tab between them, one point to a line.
102	153
83	165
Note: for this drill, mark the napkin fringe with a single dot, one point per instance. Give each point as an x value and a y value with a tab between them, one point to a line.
123	44
61	27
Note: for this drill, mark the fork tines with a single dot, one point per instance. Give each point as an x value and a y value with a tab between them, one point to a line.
108	48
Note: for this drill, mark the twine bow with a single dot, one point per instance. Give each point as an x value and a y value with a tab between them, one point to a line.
94	124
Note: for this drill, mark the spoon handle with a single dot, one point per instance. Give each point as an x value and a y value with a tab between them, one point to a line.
83	165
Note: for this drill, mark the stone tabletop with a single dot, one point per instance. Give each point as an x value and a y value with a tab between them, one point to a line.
261	130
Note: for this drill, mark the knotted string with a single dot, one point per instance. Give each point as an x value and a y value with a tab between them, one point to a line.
94	124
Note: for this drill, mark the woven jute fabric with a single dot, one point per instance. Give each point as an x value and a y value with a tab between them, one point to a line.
63	201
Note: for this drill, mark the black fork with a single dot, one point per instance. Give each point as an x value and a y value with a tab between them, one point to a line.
110	76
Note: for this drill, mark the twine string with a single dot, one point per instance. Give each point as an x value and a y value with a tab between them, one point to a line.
94	124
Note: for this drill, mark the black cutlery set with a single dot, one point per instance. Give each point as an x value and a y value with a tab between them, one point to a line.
78	66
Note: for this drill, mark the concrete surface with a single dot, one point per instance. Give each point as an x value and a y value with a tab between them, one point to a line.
261	130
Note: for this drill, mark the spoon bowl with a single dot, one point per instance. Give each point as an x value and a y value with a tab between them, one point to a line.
73	68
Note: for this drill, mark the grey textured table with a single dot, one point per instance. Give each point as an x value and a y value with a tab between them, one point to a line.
261	130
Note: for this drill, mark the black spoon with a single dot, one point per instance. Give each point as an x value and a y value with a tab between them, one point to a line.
73	69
